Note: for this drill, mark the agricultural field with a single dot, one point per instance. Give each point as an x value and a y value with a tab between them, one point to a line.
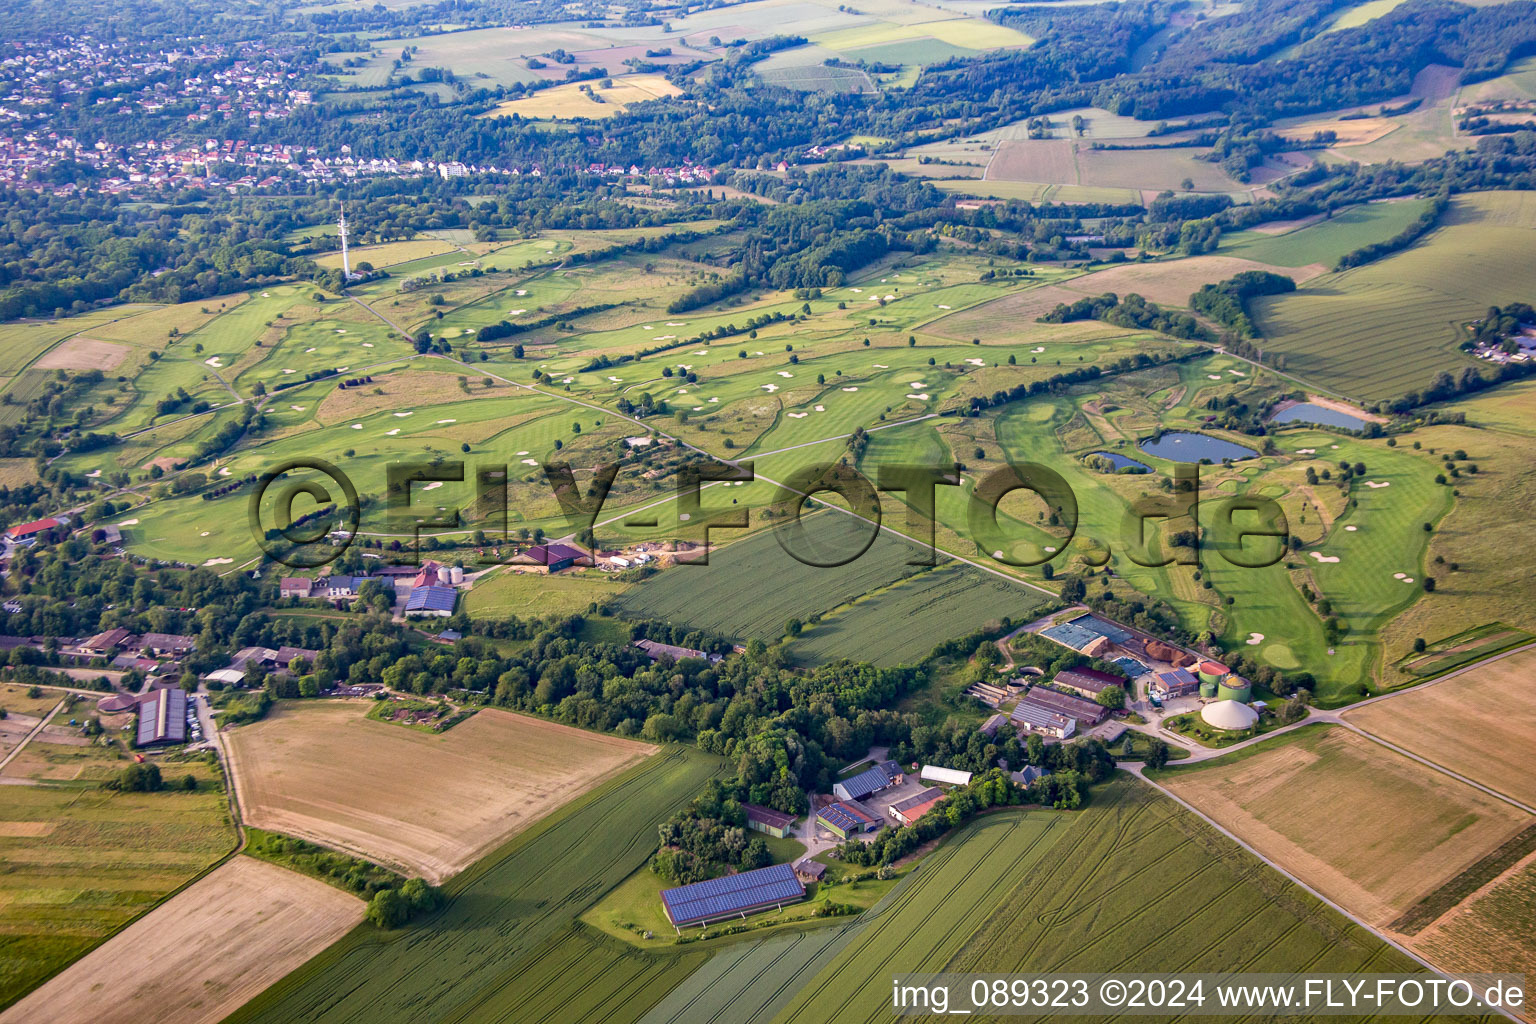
1411	828
1494	702
1068	161
1382	329
82	862
1494	930
1323	241
508	593
566	102
1012	894
508	934
898	624
249	922
319	771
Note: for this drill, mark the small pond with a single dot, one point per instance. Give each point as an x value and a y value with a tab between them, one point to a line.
1307	412
1187	446
1123	462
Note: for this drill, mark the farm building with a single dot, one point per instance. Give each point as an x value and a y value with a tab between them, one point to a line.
944	776
810	870
846	818
1176	683
1029	773
106	643
657	652
1041	719
552	557
1131	667
987	693
162	719
1229	714
913	807
991	725
1083	641
732	896
766	819
30	531
431	600
294	586
1087	680
117	702
1070	704
1103	627
868	782
166	644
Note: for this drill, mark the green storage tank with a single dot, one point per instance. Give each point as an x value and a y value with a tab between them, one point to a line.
1208	687
1211	672
1235	689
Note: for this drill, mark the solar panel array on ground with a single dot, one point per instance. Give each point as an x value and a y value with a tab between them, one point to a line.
1069	635
733	894
1094	624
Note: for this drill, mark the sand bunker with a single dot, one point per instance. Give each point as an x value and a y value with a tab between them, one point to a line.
1373	484
1322	557
920	397
1254	639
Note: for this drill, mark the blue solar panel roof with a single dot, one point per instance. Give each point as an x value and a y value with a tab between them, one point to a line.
871	780
1094	624
719	897
835	815
431	599
1069	635
1133	667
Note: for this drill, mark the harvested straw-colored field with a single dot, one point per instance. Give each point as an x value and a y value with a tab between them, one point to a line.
1355	132
84	354
566	101
1366	827
1479	724
429	804
202	954
387	254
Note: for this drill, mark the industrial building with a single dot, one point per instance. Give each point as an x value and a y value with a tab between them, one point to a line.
1083	641
767	820
1040	719
1071	705
732	896
846	818
1087	680
869	782
913	807
162	718
1177	683
1230	715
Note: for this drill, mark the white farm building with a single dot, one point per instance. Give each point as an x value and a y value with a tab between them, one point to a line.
944	776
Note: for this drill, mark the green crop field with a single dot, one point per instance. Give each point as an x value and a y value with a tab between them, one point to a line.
506	935
900	623
1326	240
81	862
752	588
1388	327
527	594
1131	882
